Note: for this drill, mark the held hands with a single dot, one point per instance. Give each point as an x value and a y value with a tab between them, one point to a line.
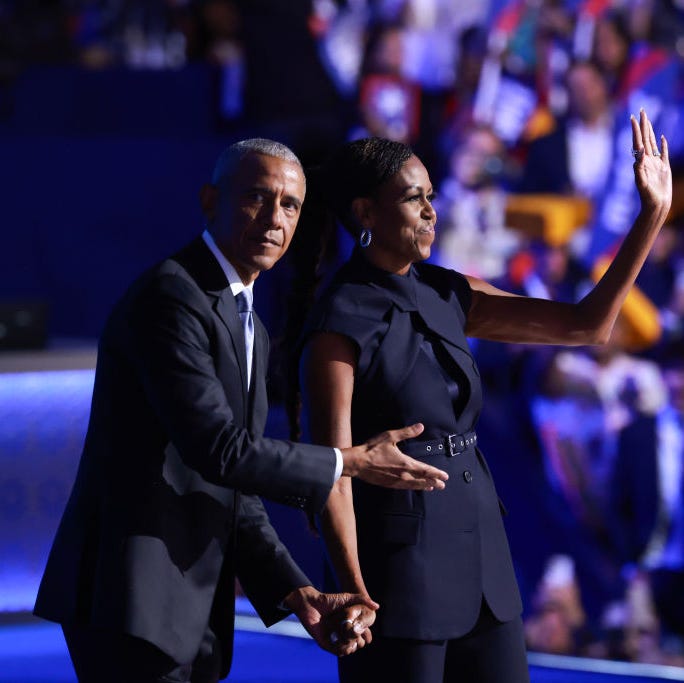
350	627
338	622
380	462
651	168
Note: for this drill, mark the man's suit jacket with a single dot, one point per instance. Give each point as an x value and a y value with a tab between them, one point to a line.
547	166
633	491
164	510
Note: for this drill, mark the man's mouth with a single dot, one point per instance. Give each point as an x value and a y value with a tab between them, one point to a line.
265	240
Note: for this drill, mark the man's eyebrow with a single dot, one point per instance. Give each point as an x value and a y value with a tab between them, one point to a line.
268	191
295	200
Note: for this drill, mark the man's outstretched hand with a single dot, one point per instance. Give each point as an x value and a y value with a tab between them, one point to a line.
379	461
338	622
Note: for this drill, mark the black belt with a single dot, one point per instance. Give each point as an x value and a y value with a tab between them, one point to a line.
450	445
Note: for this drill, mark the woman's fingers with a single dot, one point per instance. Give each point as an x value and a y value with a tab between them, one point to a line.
652	137
637	143
645	126
664	149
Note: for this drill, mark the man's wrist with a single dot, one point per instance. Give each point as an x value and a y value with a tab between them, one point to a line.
350	466
339	465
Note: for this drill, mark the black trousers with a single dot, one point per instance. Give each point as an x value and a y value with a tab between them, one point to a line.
102	656
493	652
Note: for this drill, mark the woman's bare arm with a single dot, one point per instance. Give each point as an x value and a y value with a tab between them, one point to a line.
329	364
501	316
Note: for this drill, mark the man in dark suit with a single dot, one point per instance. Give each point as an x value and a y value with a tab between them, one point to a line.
647	498
164	512
556	163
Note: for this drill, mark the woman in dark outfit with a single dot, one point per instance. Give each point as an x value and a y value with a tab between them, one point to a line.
386	345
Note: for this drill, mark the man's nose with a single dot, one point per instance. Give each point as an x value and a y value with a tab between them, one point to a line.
273	215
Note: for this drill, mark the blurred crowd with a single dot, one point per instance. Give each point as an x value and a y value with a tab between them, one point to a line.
520	110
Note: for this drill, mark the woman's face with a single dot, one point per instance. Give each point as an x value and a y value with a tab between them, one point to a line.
401	218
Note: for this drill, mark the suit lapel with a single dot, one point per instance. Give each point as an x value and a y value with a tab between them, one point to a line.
198	260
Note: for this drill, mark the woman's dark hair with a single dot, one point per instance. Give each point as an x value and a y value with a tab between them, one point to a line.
358	169
355	169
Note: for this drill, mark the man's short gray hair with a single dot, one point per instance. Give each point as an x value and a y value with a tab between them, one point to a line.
231	156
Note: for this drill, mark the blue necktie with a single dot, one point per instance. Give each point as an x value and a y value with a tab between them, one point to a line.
244	306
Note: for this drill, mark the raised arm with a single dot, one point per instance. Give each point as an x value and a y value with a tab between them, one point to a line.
501	316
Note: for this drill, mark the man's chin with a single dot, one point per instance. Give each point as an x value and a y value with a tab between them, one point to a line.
259	263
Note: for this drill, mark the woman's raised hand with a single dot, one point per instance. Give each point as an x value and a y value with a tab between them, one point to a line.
651	166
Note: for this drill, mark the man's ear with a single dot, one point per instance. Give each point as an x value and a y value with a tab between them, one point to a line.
208	198
362	211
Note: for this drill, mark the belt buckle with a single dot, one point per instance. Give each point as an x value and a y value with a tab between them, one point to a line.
456	444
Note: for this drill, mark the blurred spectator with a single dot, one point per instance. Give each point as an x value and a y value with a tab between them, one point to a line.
647	502
652	77
662	280
546	271
584	397
558	163
660	22
471	204
217	32
512	93
340	33
628	385
612	43
288	94
568	417
432	30
557	620
455	109
218	40
388	102
630	629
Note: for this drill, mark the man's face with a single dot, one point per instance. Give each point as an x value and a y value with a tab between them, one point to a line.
256	212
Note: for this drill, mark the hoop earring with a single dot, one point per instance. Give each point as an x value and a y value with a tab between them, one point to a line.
365	237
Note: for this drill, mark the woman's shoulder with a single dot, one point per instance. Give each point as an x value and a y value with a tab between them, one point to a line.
352	297
445	282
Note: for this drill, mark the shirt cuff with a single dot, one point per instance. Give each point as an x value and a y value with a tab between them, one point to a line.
339	464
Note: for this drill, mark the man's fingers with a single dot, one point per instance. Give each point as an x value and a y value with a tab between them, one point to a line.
404	433
353	603
350	628
365	600
351	647
427	475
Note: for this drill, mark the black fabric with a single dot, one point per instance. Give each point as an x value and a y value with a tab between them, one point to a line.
164	512
427	558
493	652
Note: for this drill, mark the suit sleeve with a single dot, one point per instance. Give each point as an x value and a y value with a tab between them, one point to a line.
172	347
266	571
